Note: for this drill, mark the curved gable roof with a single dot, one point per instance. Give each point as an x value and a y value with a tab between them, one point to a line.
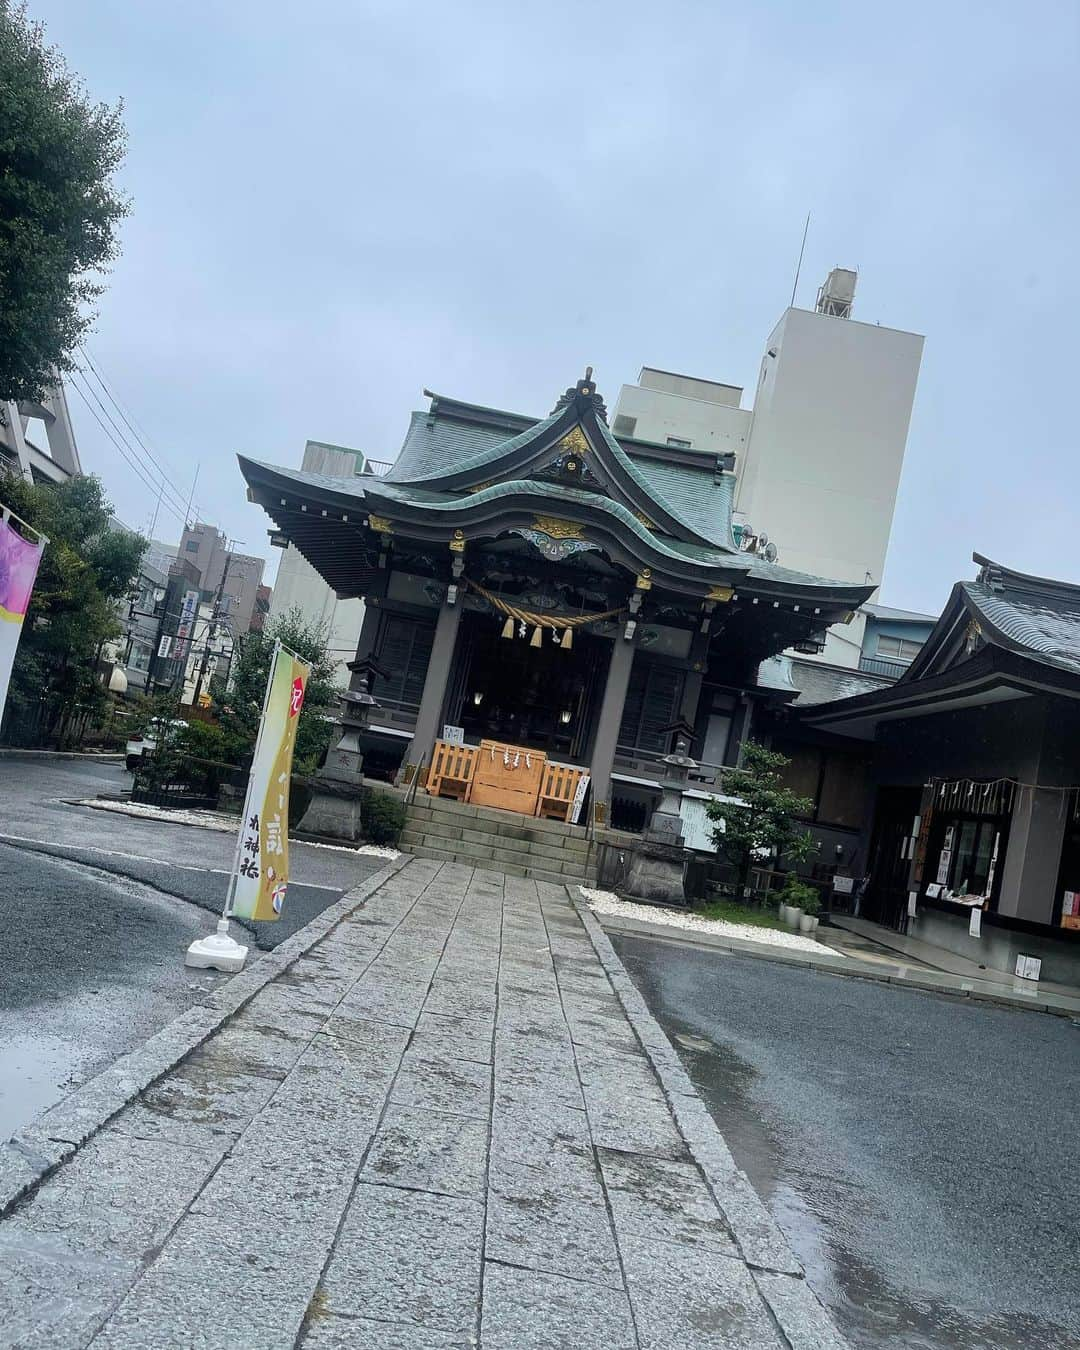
455	447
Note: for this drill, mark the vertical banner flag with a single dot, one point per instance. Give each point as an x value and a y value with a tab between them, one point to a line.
19	560
261	869
188	609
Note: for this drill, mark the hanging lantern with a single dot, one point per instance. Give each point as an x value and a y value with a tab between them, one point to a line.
537	637
567	639
508	628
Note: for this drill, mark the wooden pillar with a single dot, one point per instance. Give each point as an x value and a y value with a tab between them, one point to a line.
744	718
429	717
607	731
695	676
1036	834
365	643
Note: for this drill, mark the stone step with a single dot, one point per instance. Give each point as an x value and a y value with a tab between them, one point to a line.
536	842
445	808
489	851
508	869
551	845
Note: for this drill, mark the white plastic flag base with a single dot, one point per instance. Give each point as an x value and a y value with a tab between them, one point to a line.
218	951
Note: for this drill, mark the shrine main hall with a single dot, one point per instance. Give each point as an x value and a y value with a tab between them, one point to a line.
544	601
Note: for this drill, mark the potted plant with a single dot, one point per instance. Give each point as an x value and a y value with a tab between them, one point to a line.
794	899
811	908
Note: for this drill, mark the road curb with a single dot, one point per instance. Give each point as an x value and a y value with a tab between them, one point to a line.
106	757
925	982
38	1149
773	1265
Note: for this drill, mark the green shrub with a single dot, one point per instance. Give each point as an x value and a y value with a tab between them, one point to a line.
799	894
383	818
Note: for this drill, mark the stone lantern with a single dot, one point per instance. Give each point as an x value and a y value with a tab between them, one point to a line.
335	807
656	873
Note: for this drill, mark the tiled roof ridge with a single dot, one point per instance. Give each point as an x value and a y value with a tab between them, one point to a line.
998	578
1012	620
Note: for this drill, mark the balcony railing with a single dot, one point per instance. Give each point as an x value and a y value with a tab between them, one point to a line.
379	467
875	665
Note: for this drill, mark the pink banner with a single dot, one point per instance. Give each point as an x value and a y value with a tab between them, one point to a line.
19	560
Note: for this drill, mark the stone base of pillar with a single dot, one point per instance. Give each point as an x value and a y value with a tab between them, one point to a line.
657	872
338	817
338	787
656	875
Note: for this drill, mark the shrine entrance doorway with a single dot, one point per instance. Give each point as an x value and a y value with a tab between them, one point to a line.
543	697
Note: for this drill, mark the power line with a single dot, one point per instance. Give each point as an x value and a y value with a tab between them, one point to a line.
150	467
133	464
158	460
163	486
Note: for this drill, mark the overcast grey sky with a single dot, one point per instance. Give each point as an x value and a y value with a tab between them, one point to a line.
339	203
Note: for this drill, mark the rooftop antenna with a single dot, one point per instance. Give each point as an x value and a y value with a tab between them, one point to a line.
798	269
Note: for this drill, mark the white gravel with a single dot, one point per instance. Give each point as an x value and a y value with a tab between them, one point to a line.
221	820
605	902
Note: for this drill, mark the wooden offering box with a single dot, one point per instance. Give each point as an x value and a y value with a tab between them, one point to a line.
507	777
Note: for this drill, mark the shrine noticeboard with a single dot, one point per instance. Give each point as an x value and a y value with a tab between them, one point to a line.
507	777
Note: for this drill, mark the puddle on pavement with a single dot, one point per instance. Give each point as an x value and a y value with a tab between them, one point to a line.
812	1208
35	1072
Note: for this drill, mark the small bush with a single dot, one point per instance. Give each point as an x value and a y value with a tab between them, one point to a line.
383	818
799	894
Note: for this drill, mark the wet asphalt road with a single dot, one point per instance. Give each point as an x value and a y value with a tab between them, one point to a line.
183	861
920	1152
92	966
97	910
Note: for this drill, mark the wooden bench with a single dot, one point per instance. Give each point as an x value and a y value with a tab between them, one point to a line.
451	771
557	791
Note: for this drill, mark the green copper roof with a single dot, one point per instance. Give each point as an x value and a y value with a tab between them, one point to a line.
371	493
591	501
439	445
436	446
694	495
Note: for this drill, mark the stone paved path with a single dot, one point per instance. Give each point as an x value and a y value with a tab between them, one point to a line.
439	1128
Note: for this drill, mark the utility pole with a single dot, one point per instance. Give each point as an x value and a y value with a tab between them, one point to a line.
213	622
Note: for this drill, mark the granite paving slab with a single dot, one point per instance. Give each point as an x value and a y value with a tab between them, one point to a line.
427	1150
408	1256
445	1120
550	1312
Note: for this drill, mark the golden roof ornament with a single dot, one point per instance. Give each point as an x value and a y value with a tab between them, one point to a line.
583	397
559	529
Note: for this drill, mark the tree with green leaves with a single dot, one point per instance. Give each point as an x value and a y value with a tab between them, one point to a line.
59	206
239	706
87	568
763	817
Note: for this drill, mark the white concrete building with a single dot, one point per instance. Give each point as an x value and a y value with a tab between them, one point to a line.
299	586
818	456
209	655
36	439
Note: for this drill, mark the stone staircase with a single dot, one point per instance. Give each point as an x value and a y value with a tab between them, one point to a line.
520	846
